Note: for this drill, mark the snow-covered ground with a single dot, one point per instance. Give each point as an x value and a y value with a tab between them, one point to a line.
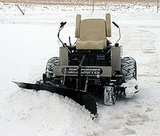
27	42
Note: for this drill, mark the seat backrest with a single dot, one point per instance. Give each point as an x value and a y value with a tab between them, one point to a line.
93	29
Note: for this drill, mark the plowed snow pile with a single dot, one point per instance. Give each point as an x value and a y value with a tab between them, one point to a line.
27	42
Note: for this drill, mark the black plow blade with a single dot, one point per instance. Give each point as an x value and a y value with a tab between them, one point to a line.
81	97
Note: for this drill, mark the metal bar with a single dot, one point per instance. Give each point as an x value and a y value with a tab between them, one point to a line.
20	9
79	72
82	60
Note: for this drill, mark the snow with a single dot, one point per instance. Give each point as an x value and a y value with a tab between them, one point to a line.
130	87
27	42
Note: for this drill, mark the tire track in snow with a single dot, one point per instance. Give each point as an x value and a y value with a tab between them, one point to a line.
137	116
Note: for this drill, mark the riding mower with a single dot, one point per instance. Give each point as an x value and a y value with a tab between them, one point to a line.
91	68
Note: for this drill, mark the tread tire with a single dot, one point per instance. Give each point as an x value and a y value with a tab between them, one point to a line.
54	61
128	68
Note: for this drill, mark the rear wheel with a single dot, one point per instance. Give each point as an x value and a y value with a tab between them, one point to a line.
54	61
128	68
129	71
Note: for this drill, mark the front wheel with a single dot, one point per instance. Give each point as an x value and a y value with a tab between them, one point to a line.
109	96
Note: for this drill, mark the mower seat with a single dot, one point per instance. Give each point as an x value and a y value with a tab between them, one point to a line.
92	33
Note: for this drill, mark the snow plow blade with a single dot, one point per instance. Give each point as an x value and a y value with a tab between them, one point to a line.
81	97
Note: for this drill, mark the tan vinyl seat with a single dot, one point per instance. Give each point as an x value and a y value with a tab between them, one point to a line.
92	33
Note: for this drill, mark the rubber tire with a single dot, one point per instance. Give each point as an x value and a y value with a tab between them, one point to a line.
54	61
109	96
128	68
